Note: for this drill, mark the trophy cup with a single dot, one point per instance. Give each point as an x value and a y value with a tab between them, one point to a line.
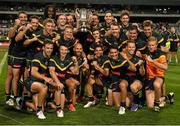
83	17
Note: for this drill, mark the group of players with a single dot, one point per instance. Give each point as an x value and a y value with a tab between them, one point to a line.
58	64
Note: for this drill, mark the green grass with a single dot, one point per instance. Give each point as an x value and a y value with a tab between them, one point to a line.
100	114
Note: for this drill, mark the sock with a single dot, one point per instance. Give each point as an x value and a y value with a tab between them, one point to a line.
58	107
39	108
156	103
123	104
7	97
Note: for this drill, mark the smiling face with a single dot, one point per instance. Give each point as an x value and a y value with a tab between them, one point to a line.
125	20
131	47
133	34
114	53
148	31
68	33
115	30
152	45
98	52
48	49
23	18
78	49
34	23
108	18
63	50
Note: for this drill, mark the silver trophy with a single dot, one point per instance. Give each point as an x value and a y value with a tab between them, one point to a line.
83	17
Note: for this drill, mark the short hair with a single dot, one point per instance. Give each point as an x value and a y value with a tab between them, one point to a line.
68	26
124	12
133	27
109	11
152	38
148	23
130	41
34	17
22	12
48	20
48	41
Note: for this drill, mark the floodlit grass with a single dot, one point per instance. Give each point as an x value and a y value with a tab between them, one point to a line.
100	114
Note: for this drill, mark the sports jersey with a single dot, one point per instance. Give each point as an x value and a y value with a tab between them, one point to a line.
118	68
61	66
69	43
151	69
34	47
19	50
13	42
173	44
93	46
144	38
41	37
134	60
104	28
41	62
116	42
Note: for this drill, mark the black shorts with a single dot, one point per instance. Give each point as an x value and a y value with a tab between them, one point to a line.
18	62
10	60
114	86
173	47
28	63
149	83
29	82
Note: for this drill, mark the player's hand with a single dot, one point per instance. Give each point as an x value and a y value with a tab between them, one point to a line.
59	86
148	58
48	80
141	62
17	22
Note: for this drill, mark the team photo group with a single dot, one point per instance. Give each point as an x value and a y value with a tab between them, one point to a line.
60	60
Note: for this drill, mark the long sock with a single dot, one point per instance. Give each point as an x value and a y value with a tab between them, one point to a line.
156	103
123	104
7	97
39	108
58	107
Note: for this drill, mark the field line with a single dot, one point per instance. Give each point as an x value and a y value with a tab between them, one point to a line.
7	117
3	61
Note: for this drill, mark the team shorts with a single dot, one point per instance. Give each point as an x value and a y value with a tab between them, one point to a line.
18	62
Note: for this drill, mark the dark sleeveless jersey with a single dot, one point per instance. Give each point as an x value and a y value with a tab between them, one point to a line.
41	62
19	50
13	42
61	66
118	68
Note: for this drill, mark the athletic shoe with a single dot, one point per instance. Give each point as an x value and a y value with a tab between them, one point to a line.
134	107
122	110
89	104
60	113
171	97
156	108
10	102
71	108
40	115
18	105
162	104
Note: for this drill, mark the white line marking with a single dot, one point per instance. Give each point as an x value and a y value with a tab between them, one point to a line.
3	61
11	119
